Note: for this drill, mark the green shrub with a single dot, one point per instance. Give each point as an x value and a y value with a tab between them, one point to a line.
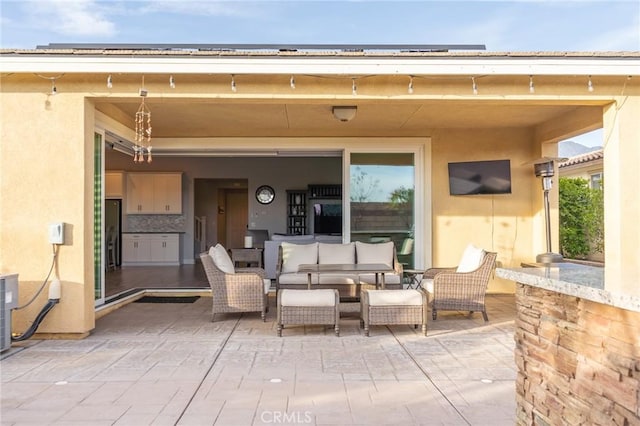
581	218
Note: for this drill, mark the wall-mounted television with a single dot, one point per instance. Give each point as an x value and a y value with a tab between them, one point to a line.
327	218
480	177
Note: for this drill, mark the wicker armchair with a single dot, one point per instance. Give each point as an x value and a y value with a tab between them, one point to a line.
243	291
459	291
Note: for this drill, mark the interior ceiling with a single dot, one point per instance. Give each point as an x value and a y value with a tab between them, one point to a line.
187	118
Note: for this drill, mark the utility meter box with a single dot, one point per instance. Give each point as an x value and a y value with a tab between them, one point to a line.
56	233
8	301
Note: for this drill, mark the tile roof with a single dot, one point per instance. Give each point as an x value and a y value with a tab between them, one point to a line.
583	158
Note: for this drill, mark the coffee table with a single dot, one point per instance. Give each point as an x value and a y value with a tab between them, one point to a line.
379	269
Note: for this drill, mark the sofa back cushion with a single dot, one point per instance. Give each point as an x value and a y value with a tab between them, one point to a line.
221	259
336	253
375	253
294	255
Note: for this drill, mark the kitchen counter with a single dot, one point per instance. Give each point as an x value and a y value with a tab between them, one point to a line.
572	279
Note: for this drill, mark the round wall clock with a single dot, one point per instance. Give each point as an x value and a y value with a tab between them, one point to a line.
265	194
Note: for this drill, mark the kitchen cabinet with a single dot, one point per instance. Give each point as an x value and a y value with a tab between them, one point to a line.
154	193
113	185
149	249
167	195
135	249
165	248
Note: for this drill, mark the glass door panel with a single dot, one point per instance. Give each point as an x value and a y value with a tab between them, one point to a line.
381	200
98	218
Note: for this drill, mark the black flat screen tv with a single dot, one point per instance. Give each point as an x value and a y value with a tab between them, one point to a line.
480	177
327	218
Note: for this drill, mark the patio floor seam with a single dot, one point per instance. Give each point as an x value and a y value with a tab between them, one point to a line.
213	363
415	361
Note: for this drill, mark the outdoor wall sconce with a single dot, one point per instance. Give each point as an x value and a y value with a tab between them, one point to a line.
544	168
344	113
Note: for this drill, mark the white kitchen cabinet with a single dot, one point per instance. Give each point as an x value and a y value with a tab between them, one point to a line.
151	249
167	193
113	185
154	193
165	248
136	248
140	193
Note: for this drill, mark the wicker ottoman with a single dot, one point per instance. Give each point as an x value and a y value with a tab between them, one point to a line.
382	307
308	307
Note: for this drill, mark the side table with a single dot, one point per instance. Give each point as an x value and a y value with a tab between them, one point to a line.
414	276
247	256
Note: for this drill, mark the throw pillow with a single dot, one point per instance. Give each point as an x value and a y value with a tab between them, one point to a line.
221	259
471	259
293	255
375	253
329	254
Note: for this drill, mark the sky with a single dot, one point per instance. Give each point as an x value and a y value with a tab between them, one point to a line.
502	26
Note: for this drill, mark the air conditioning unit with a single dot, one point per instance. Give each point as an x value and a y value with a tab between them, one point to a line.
8	301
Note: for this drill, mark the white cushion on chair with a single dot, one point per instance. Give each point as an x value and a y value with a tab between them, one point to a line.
471	259
336	253
321	297
267	285
221	259
394	297
427	284
375	253
294	255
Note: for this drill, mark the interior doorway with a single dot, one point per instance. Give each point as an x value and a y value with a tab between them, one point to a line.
224	206
237	211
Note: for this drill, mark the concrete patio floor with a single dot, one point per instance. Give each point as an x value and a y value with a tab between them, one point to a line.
168	364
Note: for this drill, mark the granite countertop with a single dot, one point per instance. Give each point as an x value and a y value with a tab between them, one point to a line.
586	282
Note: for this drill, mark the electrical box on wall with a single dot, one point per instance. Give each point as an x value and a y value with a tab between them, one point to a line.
56	233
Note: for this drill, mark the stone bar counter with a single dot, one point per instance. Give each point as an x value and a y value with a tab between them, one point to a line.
577	347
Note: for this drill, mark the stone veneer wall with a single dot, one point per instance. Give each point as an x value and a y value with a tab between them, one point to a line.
578	361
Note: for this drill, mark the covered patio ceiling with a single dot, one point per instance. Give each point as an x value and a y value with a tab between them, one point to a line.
199	118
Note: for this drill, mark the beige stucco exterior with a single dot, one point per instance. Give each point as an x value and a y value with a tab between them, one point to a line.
46	165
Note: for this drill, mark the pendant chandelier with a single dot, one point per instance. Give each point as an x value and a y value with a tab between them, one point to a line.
142	144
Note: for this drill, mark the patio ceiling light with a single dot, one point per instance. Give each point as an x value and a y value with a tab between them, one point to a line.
345	113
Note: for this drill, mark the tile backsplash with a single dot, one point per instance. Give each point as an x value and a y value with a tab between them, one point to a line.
155	223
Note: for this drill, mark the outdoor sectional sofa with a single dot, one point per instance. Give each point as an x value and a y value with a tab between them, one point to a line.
272	246
291	255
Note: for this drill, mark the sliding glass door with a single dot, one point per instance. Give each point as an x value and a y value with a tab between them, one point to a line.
382	202
98	218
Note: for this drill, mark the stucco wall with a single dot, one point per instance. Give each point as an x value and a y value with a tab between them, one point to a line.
46	163
500	223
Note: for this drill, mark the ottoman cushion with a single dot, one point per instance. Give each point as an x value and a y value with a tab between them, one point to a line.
395	298
321	297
